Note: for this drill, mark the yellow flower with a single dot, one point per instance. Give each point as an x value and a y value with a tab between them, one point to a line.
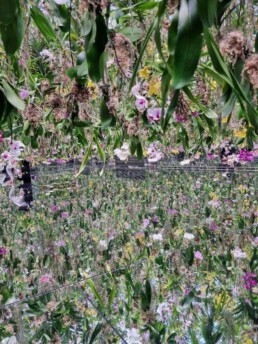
128	248
91	84
179	231
175	151
140	238
210	277
247	340
154	87
242	188
224	120
240	133
144	73
91	312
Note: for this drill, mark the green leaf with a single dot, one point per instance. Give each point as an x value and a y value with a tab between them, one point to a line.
82	69
86	24
144	45
71	72
85	160
172	34
145	5
95	293
95	49
139	151
12	97
208	112
188	45
256	43
8	11
102	64
100	149
12	34
43	24
207	11
133	33
106	117
171	108
95	333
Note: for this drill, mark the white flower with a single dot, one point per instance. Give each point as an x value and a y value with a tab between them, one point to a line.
188	236
61	2
48	54
185	162
103	244
157	237
164	312
123	153
237	253
133	336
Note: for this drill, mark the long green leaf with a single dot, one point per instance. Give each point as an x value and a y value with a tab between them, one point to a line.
8	11
95	292
12	97
85	160
208	112
188	45
144	45
12	34
43	24
207	11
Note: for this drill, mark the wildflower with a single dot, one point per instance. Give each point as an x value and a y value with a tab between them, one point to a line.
136	90
123	153
188	236
251	68
54	208
155	219
237	253
61	2
141	103
250	280
154	87
65	215
24	94
157	237
198	255
240	133
146	223
3	251
195	114
245	155
164	312
61	243
173	212
234	46
154	114
133	336
45	278
144	73
6	155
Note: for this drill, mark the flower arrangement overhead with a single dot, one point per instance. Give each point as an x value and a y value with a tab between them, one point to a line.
82	74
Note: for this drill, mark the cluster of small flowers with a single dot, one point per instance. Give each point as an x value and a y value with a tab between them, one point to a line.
250	280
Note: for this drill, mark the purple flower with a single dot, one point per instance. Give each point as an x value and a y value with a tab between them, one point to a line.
155	219
195	114
172	212
146	223
141	103
65	215
54	208
61	243
198	255
3	251
210	156
250	280
244	155
24	94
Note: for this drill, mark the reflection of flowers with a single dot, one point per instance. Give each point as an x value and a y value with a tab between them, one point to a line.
123	153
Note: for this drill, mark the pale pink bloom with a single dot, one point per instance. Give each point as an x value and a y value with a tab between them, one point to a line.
141	103
154	114
198	255
65	215
6	155
45	278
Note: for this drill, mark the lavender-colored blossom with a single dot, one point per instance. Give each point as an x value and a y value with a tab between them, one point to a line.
65	215
198	255
146	223
24	94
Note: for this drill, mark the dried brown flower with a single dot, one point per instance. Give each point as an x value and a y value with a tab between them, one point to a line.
251	69
235	45
33	114
55	100
124	52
